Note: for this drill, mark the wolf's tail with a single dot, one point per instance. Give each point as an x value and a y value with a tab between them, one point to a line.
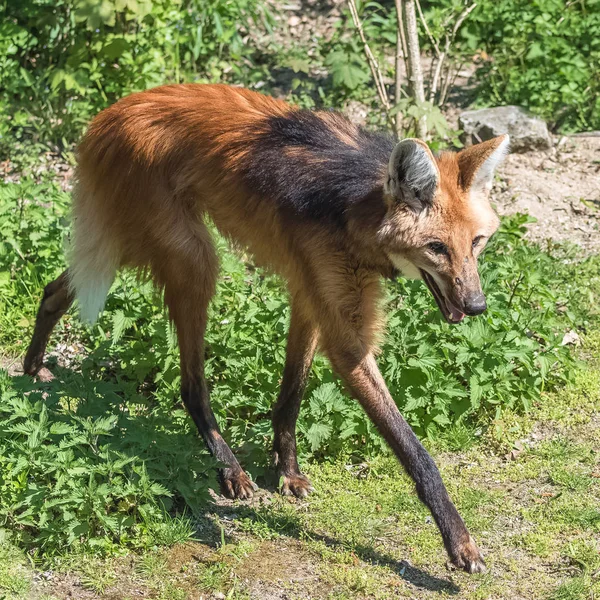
94	257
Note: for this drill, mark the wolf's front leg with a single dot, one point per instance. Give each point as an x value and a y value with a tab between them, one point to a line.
301	346
362	376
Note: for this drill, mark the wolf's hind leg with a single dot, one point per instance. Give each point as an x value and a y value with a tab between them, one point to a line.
302	342
189	279
56	301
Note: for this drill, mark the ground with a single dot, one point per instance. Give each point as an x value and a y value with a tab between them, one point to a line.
528	486
560	188
529	490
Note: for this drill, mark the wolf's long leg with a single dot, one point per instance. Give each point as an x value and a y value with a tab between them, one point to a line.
361	374
301	345
56	301
189	277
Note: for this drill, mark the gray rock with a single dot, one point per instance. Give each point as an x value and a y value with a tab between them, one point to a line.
526	132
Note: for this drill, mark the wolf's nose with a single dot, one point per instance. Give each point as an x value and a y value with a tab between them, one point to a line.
475	305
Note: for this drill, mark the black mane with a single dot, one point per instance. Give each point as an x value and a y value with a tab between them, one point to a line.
313	169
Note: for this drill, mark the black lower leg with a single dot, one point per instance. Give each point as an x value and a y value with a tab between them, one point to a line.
300	352
368	387
56	301
189	279
285	415
232	478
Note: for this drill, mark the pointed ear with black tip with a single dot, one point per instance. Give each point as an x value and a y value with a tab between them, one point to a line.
478	163
412	174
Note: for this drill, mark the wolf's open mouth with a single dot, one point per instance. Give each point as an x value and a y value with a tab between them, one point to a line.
450	312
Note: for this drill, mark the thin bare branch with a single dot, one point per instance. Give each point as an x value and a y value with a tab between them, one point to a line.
401	54
398	82
446	89
444	54
414	60
400	22
463	15
429	34
436	76
373	64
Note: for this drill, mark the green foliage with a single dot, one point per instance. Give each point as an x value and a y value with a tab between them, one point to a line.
545	57
95	457
32	230
348	67
344	58
61	61
81	466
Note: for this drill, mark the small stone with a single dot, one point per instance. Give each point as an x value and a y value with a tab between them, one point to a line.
513	454
571	338
526	131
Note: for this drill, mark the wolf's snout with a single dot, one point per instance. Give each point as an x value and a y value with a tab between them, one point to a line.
475	304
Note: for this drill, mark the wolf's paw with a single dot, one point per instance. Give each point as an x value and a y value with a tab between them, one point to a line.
296	485
468	557
236	485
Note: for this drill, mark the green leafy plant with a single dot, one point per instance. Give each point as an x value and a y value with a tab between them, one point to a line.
543	56
62	61
74	473
99	455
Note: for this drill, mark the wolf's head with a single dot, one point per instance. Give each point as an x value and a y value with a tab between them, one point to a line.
439	219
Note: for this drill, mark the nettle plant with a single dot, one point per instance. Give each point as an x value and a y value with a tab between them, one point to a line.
62	61
101	454
82	467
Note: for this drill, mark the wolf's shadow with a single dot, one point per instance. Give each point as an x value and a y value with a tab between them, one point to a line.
164	439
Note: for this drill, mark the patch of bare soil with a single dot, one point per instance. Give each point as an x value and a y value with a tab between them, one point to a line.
117	583
281	570
560	188
306	22
13	366
60	586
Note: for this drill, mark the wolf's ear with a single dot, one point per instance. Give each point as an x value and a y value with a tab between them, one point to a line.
478	163
412	174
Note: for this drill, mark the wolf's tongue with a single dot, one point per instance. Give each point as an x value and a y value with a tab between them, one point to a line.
454	313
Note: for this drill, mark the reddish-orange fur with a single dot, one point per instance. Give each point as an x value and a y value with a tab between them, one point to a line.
156	164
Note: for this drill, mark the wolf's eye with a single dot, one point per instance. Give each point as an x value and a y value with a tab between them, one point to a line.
438	248
477	240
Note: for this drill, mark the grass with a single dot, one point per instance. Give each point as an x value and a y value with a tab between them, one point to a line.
15	573
363	533
104	483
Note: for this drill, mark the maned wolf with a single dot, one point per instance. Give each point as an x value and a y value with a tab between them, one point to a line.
329	206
